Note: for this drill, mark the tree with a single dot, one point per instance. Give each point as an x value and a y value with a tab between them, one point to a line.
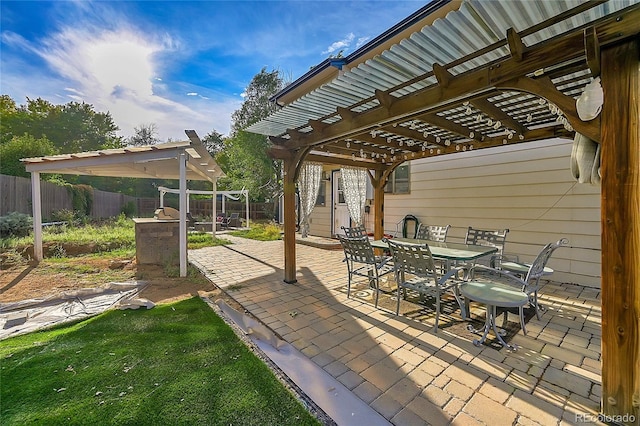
73	127
244	158
213	142
146	134
257	105
24	146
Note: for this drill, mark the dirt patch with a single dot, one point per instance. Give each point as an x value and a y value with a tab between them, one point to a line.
50	278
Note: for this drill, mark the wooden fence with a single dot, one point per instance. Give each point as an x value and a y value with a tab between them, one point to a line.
15	196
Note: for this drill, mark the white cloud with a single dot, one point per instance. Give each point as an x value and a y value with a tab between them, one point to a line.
361	41
341	44
117	70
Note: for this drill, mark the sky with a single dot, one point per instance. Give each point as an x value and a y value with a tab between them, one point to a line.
175	64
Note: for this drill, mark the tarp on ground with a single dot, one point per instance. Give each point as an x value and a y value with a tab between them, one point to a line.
34	314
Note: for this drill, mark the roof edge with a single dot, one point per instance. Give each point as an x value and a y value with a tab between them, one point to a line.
322	71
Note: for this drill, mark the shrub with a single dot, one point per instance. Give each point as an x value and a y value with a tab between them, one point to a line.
81	198
63	215
129	209
15	225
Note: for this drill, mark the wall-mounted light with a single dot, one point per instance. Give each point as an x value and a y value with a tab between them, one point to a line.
325	175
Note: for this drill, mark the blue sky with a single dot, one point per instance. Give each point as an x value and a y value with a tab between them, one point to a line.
177	64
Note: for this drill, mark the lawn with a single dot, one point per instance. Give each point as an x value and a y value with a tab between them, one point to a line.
174	364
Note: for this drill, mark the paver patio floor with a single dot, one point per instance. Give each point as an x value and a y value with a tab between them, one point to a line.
398	365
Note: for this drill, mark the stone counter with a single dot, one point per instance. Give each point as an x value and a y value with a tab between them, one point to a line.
157	241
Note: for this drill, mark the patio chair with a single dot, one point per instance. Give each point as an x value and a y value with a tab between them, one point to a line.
490	238
530	273
363	262
432	232
355	231
417	271
232	221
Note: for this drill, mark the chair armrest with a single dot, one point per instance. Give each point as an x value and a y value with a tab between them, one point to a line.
503	276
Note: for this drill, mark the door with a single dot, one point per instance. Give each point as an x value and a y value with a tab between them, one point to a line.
340	210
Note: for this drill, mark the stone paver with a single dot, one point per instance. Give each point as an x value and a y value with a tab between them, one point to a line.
398	365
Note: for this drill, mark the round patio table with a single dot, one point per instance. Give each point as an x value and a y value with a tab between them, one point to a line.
493	294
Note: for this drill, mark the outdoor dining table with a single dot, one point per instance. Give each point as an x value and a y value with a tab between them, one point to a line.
449	252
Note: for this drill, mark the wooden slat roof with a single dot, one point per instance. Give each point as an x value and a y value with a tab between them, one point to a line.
151	161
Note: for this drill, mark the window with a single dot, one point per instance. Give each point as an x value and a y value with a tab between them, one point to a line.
322	193
398	182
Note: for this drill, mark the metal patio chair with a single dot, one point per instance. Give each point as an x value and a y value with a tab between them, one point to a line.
432	232
354	231
417	271
491	238
530	273
362	261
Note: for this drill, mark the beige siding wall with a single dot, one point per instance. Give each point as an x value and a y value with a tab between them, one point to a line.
320	220
527	188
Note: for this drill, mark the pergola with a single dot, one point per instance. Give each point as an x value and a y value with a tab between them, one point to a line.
467	75
187	160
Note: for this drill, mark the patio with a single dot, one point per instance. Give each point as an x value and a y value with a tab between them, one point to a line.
397	365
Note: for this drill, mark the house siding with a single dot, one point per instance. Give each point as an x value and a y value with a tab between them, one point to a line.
527	188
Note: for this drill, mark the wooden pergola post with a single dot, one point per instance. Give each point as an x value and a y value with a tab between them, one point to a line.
289	167
378	205
620	210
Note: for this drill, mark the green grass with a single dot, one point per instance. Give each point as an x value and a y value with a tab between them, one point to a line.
112	235
173	364
260	232
196	240
115	233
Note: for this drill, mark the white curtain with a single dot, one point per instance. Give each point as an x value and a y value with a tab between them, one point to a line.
354	187
585	160
308	187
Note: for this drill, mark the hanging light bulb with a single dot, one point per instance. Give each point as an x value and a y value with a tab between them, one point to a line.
478	118
489	122
457	147
438	139
447	142
471	135
497	125
425	134
529	118
468	111
348	144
